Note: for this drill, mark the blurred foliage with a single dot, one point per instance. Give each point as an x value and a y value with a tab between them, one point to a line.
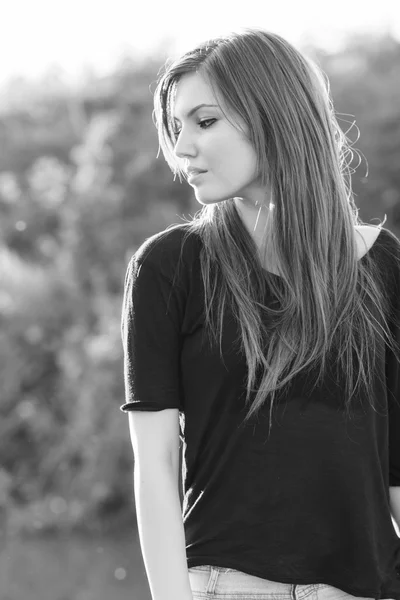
80	190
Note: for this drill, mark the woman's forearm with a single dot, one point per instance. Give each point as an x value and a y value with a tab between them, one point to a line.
161	531
394	493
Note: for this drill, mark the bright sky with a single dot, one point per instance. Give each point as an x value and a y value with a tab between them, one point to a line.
38	34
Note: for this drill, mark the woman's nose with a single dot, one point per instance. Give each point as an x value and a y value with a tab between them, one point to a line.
183	146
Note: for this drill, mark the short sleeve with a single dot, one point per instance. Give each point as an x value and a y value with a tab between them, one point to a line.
151	319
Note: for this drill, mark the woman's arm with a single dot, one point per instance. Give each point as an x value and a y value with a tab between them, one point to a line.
394	493
155	442
161	532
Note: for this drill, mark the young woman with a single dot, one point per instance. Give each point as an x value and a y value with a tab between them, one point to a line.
264	334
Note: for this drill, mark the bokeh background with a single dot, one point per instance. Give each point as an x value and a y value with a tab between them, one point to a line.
81	188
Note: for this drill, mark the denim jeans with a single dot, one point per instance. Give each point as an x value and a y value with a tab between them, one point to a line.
218	583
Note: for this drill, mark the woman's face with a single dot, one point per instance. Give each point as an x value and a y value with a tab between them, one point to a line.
209	142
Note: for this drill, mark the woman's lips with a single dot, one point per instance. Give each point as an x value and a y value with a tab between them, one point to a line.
196	175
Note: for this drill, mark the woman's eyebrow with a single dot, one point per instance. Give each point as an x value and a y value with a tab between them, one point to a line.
193	110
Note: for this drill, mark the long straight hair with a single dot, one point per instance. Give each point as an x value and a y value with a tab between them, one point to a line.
328	303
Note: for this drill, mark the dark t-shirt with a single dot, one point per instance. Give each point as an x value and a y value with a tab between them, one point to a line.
309	504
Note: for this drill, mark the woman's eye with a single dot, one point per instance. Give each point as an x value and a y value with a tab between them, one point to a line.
201	123
206	121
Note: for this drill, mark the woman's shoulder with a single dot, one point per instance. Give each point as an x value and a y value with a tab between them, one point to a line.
368	236
164	250
384	250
